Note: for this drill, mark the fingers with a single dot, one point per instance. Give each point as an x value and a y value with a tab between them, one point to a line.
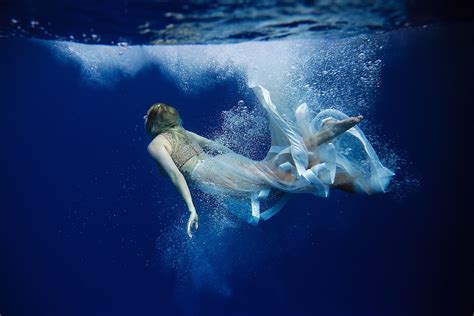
193	221
189	230
190	224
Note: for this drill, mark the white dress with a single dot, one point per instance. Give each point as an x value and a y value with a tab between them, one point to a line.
242	184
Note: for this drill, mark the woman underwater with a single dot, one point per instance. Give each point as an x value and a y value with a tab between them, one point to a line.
306	156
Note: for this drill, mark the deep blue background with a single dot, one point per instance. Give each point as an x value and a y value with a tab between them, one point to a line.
79	212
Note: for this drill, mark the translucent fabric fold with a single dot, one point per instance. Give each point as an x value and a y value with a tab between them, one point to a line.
290	167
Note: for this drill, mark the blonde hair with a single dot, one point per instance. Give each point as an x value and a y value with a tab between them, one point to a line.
162	118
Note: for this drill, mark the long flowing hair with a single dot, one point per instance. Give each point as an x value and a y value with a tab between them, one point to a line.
163	118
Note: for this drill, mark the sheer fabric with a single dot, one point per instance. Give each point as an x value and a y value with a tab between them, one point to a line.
183	150
290	167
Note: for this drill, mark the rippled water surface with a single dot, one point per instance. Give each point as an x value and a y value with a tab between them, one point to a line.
205	22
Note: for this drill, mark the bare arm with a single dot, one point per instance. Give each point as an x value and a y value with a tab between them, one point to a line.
205	142
159	153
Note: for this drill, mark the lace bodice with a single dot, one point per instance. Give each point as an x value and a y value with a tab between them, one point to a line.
183	151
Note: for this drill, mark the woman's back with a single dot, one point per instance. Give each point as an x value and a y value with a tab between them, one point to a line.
184	147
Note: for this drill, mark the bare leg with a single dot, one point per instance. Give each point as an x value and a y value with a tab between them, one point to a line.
330	130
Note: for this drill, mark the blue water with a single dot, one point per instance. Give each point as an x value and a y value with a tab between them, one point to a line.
204	21
89	227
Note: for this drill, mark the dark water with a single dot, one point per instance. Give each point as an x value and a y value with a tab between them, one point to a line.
89	227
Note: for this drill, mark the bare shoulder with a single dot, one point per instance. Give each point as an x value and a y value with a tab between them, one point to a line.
157	142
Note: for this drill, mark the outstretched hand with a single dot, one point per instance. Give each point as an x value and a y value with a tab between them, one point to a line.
193	220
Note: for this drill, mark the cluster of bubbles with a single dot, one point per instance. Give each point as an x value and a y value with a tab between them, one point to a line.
103	64
202	261
242	122
340	74
23	28
31	27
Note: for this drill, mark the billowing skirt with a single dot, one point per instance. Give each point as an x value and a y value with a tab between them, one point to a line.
290	167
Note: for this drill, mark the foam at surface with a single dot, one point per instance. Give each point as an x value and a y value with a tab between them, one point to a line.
324	73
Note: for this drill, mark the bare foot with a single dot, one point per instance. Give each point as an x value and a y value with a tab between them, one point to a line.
331	128
335	128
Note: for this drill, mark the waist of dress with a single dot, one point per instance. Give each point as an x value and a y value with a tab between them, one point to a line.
189	166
